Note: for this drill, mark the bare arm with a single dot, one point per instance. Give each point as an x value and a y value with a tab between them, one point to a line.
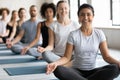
106	55
25	49
51	40
7	33
66	58
19	37
13	31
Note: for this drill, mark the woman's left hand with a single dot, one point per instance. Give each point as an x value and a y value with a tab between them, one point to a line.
40	49
51	67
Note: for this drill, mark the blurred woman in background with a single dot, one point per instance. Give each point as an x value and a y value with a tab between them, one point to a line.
4	12
11	27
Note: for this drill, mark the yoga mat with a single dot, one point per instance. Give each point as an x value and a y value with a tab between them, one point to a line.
7	53
1	44
18	60
26	70
4	48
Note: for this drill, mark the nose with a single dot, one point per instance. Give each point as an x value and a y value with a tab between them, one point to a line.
85	16
63	10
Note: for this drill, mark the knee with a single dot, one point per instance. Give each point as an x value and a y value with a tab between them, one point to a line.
45	54
115	69
58	70
16	49
34	52
31	50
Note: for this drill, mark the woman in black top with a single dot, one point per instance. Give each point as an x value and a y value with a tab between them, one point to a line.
48	12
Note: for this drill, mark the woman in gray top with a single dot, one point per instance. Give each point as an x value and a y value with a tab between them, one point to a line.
85	42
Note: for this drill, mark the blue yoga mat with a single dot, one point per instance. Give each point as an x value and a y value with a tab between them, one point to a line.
18	60
7	54
5	51
4	48
26	70
1	44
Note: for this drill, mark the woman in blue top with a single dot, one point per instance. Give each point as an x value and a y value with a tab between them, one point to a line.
86	41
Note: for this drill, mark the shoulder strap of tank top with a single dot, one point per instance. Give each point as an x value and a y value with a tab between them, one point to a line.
42	23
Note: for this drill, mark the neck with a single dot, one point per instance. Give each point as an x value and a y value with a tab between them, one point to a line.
64	21
49	20
14	20
87	30
33	19
22	19
4	19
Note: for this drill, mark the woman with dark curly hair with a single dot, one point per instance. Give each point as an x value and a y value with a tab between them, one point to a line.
47	12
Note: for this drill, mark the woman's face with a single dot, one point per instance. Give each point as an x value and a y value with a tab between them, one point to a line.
15	15
63	10
4	13
22	14
86	16
49	13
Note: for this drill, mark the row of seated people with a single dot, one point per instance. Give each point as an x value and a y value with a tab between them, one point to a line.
60	38
9	29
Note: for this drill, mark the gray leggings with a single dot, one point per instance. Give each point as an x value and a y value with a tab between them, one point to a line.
16	48
19	46
108	72
49	56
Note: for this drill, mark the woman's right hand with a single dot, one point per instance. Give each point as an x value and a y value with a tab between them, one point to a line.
51	67
9	44
40	49
24	50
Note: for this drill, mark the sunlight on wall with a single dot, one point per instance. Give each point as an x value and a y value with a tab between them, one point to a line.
102	13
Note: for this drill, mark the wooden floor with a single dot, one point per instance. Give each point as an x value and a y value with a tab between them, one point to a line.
42	76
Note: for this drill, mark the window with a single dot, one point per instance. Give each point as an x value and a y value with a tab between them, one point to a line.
83	1
74	4
73	9
107	15
115	12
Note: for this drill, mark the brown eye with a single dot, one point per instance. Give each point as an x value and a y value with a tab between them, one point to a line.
82	14
88	14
